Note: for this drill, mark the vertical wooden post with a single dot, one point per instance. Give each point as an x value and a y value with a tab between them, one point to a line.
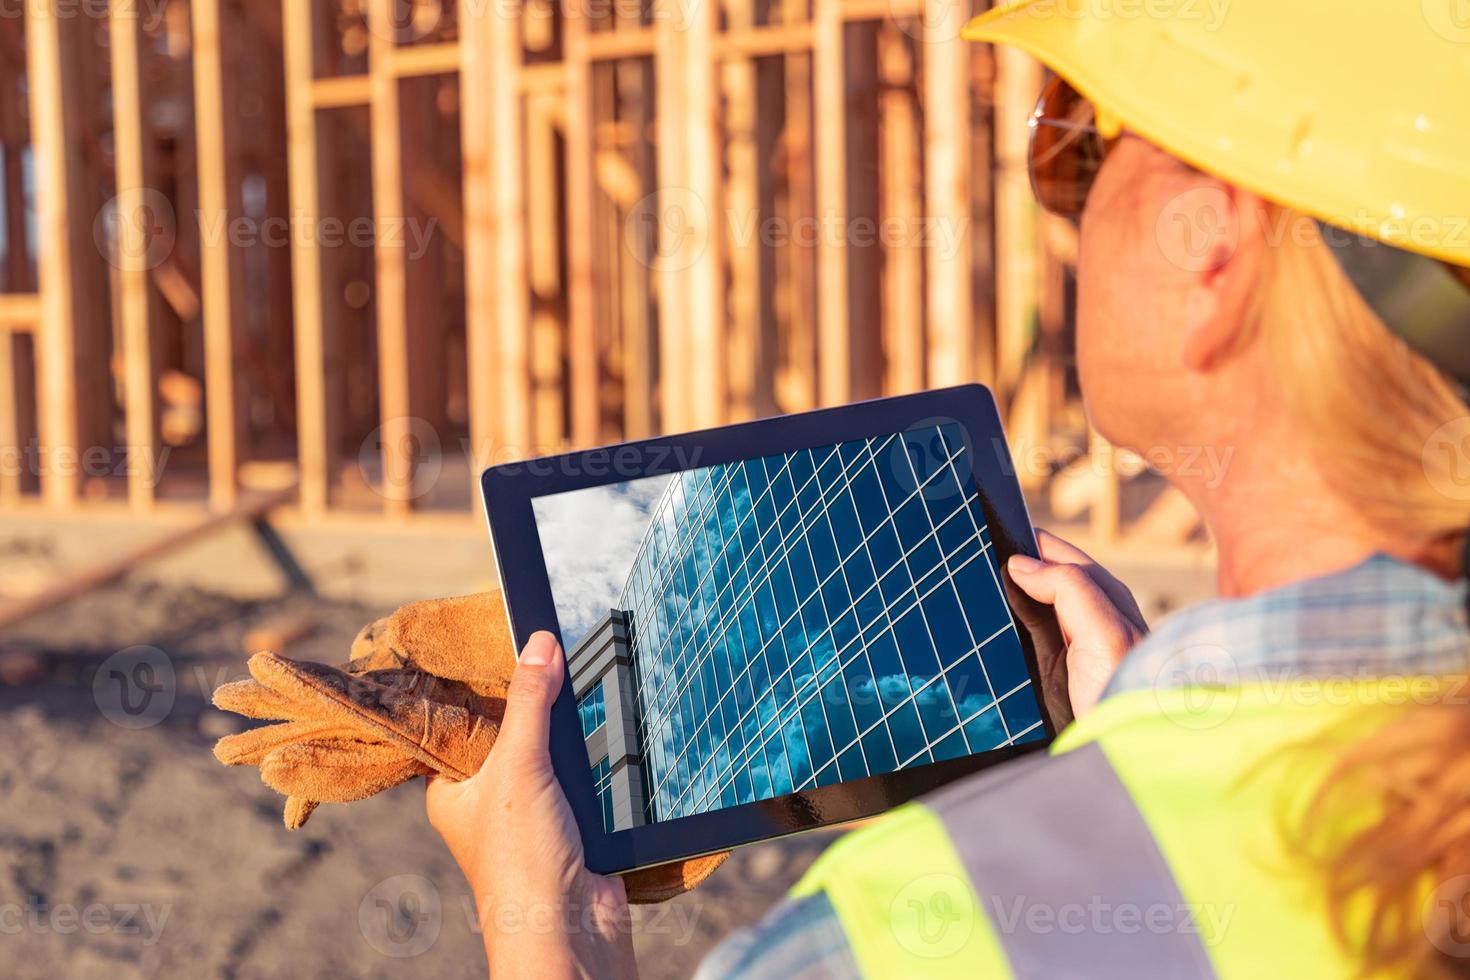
635	246
1018	79
672	217
390	258
834	339
582	327
131	139
903	269
1105	512
796	279
220	269
476	140
496	224
743	197
952	348
706	311
59	227
10	437
549	302
316	354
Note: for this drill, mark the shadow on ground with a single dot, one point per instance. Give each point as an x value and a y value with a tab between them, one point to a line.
127	851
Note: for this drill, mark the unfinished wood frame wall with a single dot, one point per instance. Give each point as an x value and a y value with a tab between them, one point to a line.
671	216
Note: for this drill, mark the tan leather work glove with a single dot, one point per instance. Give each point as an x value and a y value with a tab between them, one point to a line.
423	694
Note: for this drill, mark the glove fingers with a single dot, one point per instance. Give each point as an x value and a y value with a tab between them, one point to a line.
464	639
444	737
659	884
371	650
249	748
253	699
337	770
298	810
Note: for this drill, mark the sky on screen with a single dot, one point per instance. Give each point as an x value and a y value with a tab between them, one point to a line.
590	538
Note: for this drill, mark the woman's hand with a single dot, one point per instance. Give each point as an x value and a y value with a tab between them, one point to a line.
1099	618
509	827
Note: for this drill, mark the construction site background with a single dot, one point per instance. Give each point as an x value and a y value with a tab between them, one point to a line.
278	277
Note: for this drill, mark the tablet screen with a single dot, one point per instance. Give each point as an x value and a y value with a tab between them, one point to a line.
748	630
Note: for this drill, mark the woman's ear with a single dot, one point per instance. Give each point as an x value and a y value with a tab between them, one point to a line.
1227	274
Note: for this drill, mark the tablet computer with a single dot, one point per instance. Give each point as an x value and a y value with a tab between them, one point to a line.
777	625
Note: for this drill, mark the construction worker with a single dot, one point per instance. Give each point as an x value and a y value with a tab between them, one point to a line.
1274	212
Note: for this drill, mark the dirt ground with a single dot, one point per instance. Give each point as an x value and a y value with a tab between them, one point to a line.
127	851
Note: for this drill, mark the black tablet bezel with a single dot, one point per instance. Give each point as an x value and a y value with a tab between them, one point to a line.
508	490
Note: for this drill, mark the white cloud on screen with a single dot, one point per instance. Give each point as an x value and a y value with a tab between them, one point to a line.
590	538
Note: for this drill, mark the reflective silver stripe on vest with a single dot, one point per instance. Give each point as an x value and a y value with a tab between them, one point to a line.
1069	873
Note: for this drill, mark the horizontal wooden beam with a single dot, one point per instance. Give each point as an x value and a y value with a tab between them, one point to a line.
345	90
423	59
857	10
757	42
19	312
617	45
546	78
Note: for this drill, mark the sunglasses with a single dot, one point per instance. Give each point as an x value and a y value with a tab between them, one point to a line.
1066	149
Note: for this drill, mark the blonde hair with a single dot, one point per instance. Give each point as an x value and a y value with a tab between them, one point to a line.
1373	406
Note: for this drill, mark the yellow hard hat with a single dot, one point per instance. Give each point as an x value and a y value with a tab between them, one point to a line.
1355	112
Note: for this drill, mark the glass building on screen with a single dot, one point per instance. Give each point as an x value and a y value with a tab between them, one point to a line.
737	669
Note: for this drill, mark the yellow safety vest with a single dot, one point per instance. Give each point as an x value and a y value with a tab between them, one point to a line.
1147	843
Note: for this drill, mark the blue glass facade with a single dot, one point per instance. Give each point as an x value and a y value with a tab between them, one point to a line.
819	616
592	710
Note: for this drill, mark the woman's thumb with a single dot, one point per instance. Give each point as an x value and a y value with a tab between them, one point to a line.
533	689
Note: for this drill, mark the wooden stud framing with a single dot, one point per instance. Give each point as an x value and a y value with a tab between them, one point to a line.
903	268
706	310
674	219
316	374
621	172
10	437
834	339
507	222
952	350
1018	78
742	200
221	280
582	352
52	120
131	139
391	261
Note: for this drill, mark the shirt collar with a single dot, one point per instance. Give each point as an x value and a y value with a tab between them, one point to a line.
1382	617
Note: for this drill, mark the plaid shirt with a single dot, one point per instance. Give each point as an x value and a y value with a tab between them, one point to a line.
1380	618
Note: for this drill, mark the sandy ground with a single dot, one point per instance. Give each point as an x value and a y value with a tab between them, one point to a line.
129	852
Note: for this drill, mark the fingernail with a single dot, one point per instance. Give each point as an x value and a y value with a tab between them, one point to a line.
539	650
1023	564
